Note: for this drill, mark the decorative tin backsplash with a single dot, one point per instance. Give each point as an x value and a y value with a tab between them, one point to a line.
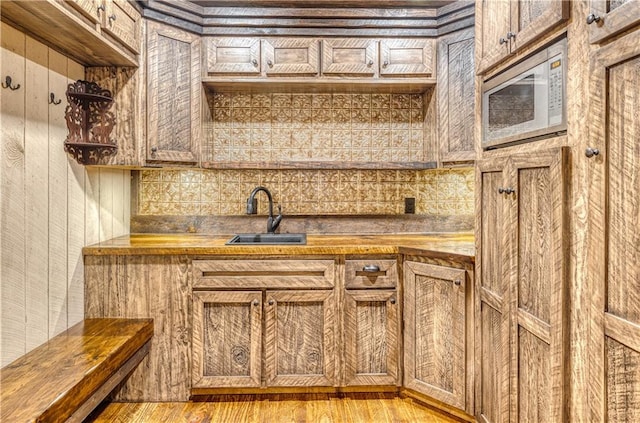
261	127
441	192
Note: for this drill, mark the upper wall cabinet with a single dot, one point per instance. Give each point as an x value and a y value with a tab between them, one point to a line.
173	95
291	56
608	18
408	57
92	32
231	56
508	26
345	56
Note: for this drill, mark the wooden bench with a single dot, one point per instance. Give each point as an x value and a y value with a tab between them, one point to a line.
67	377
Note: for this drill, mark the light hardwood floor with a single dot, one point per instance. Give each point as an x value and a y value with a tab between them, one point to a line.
322	410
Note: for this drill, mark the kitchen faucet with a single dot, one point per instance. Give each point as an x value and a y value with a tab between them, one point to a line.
272	223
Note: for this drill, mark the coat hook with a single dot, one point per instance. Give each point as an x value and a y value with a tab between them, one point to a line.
7	84
52	99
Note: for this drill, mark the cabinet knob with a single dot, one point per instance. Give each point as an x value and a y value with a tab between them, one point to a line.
270	63
100	9
385	63
154	149
590	152
511	35
506	190
457	282
371	268
112	18
503	40
255	302
254	62
370	63
271	302
591	18
392	300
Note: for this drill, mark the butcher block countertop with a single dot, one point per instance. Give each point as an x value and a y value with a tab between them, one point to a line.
459	246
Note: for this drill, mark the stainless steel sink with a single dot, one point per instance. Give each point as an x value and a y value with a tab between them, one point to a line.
268	239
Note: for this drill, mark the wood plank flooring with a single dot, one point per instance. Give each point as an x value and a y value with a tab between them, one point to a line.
322	410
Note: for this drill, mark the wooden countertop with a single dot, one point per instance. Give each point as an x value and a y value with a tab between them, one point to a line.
459	246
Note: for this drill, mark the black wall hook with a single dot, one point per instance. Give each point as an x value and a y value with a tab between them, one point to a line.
52	99
7	84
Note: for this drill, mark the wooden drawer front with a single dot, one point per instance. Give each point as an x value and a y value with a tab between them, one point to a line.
290	56
407	57
88	8
269	274
123	22
349	57
357	277
232	55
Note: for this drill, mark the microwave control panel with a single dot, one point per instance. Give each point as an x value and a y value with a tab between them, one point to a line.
555	90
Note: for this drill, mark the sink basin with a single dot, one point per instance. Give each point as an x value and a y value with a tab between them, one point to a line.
268	239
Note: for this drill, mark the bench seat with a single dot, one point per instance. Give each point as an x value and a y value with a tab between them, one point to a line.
68	376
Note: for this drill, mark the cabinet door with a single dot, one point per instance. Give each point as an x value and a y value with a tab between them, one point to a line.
491	294
371	337
299	338
456	97
92	9
611	17
227	339
434	336
349	57
493	17
291	56
535	256
173	94
122	21
232	56
614	233
532	19
408	57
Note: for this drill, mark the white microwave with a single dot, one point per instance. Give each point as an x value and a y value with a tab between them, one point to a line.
527	101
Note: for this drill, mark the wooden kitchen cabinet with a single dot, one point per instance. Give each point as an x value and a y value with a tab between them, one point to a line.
408	57
349	56
609	18
456	97
291	56
613	260
522	266
508	26
173	95
371	326
435	346
299	338
227	339
231	56
123	22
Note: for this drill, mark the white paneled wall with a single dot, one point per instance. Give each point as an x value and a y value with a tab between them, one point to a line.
50	207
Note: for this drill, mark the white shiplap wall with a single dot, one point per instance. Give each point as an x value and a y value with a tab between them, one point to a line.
50	207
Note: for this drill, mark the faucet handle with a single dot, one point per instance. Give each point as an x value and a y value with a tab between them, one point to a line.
279	210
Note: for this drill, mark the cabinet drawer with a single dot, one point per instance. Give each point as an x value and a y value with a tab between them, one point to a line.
373	273
268	274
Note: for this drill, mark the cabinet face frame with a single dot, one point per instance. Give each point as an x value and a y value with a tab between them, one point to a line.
220	50
457	280
391	329
614	21
273	338
424	48
277	55
188	153
349	57
608	321
253	301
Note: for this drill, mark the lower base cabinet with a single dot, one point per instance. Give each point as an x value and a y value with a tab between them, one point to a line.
435	335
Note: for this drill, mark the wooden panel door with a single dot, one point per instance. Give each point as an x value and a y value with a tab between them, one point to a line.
232	56
408	57
493	18
491	294
371	334
227	339
349	56
611	18
456	96
614	232
536	251
92	9
532	19
434	335
123	21
173	94
291	56
299	338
